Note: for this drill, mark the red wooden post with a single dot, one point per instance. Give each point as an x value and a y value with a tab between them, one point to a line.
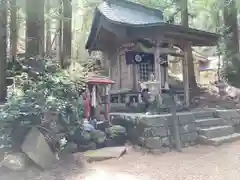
107	103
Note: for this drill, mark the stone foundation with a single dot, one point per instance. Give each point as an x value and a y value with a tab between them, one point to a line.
155	132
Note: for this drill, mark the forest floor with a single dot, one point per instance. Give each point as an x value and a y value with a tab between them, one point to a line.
194	163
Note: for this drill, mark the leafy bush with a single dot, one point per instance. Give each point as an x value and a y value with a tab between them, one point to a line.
52	90
231	70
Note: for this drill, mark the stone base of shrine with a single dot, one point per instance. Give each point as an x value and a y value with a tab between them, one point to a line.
155	132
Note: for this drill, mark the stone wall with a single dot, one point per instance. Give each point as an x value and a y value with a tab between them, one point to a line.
187	129
155	132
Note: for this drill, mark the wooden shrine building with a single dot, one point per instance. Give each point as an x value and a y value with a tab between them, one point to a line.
136	41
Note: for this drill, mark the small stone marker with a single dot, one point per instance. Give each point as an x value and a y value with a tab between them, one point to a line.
15	161
37	149
104	153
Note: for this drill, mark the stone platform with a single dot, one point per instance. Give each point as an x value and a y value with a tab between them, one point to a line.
209	126
156	131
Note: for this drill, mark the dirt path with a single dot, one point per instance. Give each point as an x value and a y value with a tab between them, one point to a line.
196	163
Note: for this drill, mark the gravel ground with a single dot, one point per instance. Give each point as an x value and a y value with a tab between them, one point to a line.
195	163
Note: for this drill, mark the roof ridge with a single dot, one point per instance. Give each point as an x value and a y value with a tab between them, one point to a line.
157	12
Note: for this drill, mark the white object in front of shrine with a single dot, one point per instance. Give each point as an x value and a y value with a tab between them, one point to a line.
94	98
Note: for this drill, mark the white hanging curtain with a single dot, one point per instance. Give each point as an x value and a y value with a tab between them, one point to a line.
94	98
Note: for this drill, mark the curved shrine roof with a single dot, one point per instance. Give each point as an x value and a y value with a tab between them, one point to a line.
130	13
139	19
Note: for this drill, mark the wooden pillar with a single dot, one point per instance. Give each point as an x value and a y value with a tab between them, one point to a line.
185	77
118	68
137	78
107	103
134	74
166	76
158	69
120	71
114	69
163	76
110	69
129	75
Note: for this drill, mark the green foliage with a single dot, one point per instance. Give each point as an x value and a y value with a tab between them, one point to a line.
231	44
53	90
231	71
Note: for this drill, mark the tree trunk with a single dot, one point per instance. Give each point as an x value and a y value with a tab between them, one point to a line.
60	34
13	29
34	28
219	53
41	21
3	49
48	30
232	70
188	48
67	31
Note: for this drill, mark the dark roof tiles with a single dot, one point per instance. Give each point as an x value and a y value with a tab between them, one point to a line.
119	13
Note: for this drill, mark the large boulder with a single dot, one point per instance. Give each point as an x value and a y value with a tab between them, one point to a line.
18	134
116	130
38	150
116	135
102	125
80	136
98	136
88	127
86	136
71	147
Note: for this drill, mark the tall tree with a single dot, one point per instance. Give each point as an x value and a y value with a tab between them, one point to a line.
48	29
231	40
13	29
35	28
67	32
60	34
3	49
231	26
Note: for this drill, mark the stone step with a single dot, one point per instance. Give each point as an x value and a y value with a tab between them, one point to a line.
207	122
220	140
204	114
216	131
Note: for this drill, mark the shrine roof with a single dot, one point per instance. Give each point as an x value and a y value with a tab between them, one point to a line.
95	78
126	12
137	17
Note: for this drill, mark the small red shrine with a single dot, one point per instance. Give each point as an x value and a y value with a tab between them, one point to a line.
97	87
